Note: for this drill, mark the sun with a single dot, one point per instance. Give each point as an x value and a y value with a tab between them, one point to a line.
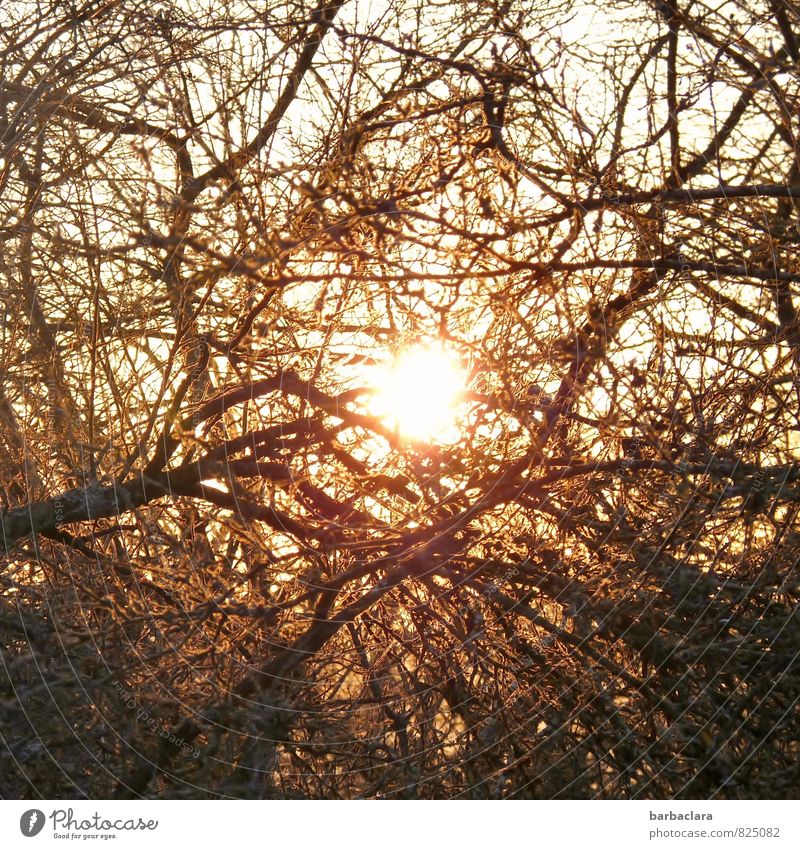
418	394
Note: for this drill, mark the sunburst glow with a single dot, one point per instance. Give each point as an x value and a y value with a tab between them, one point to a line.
418	394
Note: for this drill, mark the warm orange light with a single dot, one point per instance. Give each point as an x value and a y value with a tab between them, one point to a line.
418	394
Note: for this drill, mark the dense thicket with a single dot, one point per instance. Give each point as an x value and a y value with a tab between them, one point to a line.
223	574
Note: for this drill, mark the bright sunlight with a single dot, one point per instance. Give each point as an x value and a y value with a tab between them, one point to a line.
418	394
